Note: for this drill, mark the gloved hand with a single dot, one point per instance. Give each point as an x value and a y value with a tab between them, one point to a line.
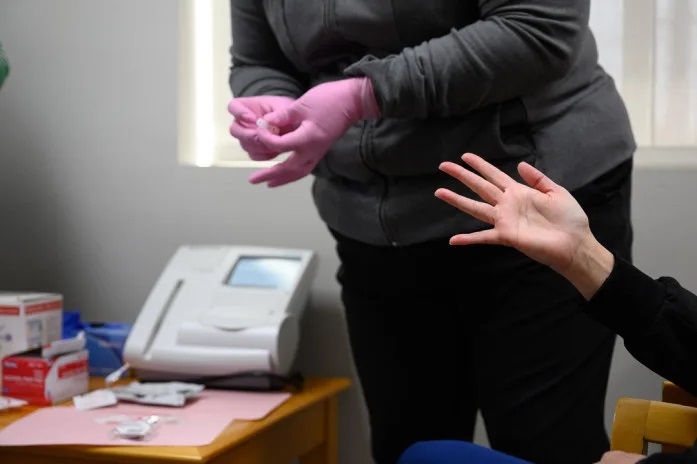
311	125
246	111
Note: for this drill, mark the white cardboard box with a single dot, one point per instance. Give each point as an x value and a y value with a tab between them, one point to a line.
29	320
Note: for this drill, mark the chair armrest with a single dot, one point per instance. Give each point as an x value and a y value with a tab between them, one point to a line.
639	422
674	394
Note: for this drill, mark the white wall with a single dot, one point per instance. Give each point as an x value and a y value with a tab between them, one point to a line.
93	202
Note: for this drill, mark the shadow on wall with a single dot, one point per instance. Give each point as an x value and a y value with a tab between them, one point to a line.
325	351
32	234
93	200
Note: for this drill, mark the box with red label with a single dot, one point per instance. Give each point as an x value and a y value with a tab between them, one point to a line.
29	320
41	380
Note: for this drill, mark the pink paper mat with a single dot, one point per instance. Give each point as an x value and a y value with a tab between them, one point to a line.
198	423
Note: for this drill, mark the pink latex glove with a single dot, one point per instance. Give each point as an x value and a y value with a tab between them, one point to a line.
246	111
311	125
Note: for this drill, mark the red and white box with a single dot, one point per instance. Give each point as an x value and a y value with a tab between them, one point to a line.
41	380
29	320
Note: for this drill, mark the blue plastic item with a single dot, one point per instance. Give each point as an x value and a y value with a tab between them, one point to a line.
105	342
71	324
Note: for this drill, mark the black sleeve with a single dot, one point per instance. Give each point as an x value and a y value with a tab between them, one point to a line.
656	318
259	67
688	457
516	47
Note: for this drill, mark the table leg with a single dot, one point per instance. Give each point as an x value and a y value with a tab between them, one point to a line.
327	452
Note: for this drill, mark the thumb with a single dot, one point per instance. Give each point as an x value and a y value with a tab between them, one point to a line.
263	175
288	141
288	116
536	179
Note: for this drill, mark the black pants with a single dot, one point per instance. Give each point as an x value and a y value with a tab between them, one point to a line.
438	332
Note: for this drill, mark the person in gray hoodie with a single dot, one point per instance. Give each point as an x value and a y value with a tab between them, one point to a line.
370	96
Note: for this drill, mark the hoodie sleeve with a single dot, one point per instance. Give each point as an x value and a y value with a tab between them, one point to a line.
517	46
259	66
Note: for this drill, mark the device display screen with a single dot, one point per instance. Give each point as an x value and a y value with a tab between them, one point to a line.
265	272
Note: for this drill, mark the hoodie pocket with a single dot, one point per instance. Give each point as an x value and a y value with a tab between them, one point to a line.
512	131
499	133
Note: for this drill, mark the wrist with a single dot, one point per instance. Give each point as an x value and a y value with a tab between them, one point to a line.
366	98
591	265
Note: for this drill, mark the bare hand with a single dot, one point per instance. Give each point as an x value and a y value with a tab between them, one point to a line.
620	457
542	221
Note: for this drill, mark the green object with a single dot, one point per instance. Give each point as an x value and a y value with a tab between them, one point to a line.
4	66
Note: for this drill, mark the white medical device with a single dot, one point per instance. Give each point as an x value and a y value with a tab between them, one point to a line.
220	311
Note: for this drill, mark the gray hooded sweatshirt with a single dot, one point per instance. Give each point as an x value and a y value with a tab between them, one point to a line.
509	80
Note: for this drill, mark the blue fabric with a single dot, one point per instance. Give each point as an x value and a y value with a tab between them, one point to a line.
454	452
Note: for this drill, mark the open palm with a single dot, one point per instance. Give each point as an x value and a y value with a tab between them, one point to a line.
541	219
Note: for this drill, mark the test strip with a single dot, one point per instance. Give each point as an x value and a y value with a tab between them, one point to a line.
265	125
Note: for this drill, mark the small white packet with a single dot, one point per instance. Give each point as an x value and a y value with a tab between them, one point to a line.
137	430
117	419
10	403
95	399
66	345
167	399
157	419
141	428
152	419
188	390
159	393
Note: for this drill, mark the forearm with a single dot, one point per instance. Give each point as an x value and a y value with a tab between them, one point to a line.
259	66
516	48
656	318
252	81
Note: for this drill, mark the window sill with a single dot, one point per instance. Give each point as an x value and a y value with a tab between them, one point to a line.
666	158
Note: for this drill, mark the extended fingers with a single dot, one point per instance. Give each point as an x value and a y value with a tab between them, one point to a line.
294	168
480	210
482	187
536	179
265	175
488	170
481	237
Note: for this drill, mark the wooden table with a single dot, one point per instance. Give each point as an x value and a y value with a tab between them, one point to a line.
303	428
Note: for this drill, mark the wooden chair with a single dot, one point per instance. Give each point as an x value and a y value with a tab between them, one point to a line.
640	422
676	395
673	394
